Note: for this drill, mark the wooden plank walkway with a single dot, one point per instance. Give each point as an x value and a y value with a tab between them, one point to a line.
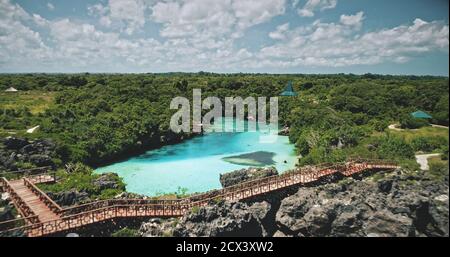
44	217
33	201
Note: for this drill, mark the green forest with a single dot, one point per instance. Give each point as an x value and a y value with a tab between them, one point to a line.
100	118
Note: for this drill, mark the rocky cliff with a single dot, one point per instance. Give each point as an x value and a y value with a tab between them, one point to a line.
14	151
399	203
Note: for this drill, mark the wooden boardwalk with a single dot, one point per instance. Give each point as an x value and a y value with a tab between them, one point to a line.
42	216
38	207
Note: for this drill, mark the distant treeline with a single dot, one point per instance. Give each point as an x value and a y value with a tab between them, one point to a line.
97	118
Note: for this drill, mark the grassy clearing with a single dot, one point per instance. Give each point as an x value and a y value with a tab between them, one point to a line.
410	134
31	102
438	168
36	101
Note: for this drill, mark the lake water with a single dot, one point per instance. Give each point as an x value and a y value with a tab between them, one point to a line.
197	163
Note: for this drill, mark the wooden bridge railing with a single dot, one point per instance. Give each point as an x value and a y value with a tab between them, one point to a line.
96	215
117	202
14	223
26	172
89	213
264	185
48	177
43	197
18	202
228	192
300	175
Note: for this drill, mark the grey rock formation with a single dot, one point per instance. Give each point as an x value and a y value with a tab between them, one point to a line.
107	181
239	176
157	227
396	204
225	219
6	213
68	198
17	150
385	223
13	143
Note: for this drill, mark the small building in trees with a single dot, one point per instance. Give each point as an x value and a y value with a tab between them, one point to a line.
11	89
289	90
421	115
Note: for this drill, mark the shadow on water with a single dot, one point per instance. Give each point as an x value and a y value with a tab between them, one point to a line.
259	158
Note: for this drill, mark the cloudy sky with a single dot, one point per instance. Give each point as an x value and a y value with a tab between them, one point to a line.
274	36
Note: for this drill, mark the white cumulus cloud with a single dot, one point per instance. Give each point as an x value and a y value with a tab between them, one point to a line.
313	5
352	20
128	15
205	35
338	45
50	6
280	32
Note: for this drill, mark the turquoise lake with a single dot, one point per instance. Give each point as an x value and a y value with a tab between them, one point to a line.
197	163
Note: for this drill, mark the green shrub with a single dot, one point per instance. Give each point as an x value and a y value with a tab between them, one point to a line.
394	147
409	122
195	209
317	155
411	165
428	144
167	233
378	125
444	150
438	169
126	232
82	179
302	146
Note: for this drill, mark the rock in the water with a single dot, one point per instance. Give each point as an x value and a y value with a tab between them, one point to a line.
239	176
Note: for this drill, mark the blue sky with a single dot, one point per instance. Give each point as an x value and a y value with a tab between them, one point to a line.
273	36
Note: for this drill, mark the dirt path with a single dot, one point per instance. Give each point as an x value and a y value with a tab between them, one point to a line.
438	126
422	160
395	127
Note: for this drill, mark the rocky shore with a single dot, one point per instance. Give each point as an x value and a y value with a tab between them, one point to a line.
399	203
